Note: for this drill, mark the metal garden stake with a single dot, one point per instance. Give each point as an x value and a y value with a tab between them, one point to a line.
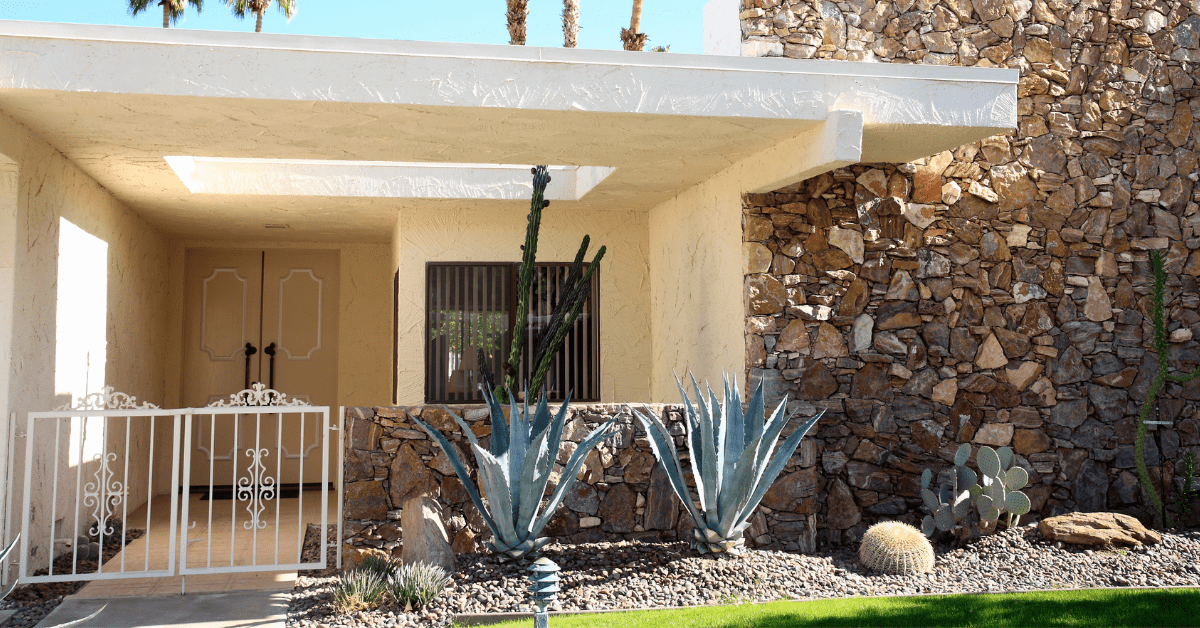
543	574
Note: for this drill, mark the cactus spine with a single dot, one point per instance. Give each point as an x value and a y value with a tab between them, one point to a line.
895	548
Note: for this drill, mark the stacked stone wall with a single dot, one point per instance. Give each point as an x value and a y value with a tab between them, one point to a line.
621	493
997	293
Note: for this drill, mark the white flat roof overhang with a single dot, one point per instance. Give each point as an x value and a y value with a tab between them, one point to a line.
118	100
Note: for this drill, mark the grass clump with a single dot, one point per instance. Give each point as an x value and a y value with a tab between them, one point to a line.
376	579
417	584
359	590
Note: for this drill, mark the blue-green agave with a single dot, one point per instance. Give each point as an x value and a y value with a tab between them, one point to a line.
514	474
731	459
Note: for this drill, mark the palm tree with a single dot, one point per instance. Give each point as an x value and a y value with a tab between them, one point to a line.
258	7
630	37
570	23
518	11
172	9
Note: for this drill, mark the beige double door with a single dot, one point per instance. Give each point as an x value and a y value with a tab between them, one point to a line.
259	317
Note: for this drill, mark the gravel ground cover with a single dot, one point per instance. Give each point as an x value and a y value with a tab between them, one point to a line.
639	575
34	601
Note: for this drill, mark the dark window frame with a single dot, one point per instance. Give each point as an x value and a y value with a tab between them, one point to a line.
593	365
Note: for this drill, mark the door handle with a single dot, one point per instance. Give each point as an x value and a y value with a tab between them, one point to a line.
270	350
250	350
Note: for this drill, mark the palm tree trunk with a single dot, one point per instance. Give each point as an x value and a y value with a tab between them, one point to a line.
630	37
166	13
518	11
570	19
258	22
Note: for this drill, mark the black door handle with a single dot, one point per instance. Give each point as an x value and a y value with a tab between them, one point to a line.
250	350
270	350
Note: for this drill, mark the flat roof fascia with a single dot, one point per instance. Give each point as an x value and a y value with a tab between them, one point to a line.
89	58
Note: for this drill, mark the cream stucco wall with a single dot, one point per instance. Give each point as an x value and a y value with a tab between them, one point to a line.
696	286
495	234
364	316
49	188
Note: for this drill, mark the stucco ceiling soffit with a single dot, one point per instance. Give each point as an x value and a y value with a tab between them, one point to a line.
835	143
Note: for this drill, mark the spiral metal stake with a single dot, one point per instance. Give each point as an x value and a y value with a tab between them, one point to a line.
543	574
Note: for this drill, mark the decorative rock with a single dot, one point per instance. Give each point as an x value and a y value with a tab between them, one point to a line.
365	501
756	258
765	294
1024	375
829	343
991	354
794	337
409	477
843	513
1098	307
1097	528
817	382
875	181
619	509
425	539
902	288
920	214
662	510
945	392
994	434
861	333
849	241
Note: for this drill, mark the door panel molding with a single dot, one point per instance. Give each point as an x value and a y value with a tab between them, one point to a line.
204	338
283	303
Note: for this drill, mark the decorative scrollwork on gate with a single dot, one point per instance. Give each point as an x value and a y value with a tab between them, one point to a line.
107	399
103	494
256	489
257	395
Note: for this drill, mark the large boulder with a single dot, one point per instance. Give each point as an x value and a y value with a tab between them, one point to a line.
1097	528
425	539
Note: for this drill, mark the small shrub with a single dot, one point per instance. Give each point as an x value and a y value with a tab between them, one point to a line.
360	589
417	584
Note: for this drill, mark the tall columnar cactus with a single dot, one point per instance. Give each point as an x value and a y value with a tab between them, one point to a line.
731	460
514	474
999	488
1158	319
571	297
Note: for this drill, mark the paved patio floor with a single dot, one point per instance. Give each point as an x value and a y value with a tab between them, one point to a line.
260	609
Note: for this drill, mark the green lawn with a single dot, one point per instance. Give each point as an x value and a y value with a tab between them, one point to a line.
1109	607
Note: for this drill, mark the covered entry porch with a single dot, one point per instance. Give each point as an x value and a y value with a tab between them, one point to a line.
391	157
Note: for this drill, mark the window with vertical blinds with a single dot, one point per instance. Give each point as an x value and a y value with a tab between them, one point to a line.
470	311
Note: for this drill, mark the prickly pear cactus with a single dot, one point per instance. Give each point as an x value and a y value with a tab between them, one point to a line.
949	503
1000	485
895	548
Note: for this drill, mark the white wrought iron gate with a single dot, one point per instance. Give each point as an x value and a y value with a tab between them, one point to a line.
268	438
137	491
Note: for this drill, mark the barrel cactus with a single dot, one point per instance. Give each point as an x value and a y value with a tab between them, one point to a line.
895	548
731	460
515	473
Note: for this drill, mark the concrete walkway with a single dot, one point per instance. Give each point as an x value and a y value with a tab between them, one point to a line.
260	609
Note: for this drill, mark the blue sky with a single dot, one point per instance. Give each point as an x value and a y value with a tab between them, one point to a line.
677	23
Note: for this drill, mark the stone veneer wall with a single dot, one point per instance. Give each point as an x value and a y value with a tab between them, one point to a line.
994	294
621	493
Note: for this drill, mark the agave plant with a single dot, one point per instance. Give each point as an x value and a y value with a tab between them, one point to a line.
514	474
731	459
